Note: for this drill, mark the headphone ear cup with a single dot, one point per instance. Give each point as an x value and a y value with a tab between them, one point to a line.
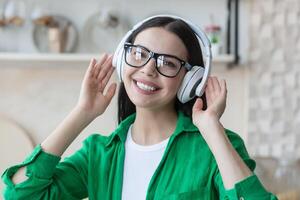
115	59
118	62
189	84
199	91
121	64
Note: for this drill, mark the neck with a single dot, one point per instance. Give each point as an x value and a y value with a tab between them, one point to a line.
153	126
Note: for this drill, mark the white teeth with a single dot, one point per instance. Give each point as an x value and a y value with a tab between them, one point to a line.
145	87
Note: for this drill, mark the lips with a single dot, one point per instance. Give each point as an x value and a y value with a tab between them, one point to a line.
151	84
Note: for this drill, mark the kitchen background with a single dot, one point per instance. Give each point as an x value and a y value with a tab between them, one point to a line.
38	90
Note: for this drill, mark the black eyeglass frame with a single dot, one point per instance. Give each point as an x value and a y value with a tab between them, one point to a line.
155	56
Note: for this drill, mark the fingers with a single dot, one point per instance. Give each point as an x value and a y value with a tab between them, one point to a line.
216	85
198	105
105	68
209	90
99	64
104	82
111	91
89	71
102	70
215	88
223	87
104	75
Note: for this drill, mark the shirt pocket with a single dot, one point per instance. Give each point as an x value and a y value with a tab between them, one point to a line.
198	194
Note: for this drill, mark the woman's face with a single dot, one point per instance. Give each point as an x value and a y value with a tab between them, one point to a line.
138	80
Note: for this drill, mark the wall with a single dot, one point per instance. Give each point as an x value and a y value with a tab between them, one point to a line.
274	105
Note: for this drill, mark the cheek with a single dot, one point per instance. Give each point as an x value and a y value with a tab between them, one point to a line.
126	77
179	78
127	71
174	85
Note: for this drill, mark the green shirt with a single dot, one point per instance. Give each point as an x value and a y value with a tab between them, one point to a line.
187	170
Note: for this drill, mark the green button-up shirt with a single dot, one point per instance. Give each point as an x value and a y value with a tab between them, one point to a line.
187	170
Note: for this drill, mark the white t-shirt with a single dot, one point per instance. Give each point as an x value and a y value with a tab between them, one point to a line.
139	166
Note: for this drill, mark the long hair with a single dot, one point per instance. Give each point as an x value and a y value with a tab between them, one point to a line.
188	37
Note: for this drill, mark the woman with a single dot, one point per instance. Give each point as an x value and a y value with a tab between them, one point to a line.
162	148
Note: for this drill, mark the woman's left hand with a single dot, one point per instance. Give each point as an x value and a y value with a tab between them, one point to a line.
216	94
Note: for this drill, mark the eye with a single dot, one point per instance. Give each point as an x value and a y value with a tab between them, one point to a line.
169	63
166	62
138	53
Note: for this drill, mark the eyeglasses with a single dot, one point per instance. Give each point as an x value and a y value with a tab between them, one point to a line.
167	65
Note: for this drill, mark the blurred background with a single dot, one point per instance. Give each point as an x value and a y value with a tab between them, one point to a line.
45	48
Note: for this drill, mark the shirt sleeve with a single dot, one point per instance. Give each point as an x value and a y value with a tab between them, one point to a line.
248	189
48	178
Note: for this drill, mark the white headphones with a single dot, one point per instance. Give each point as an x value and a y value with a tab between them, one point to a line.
194	82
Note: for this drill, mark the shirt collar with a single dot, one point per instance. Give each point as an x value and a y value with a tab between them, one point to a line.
184	124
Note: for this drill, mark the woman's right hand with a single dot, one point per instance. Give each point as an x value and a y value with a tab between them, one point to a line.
92	99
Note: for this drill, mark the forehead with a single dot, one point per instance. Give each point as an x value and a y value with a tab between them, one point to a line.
160	40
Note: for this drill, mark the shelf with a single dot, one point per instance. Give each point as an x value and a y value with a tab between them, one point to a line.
223	59
44	60
68	60
45	57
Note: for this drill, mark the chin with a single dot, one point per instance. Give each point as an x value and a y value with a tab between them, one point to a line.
150	105
142	103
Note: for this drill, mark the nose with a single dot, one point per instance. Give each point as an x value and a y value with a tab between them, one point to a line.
149	68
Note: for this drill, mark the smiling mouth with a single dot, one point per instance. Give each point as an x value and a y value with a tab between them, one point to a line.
145	87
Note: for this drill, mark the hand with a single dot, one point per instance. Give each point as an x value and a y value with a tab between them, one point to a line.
92	99
216	93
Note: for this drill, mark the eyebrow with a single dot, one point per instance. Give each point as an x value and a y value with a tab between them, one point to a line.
160	53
